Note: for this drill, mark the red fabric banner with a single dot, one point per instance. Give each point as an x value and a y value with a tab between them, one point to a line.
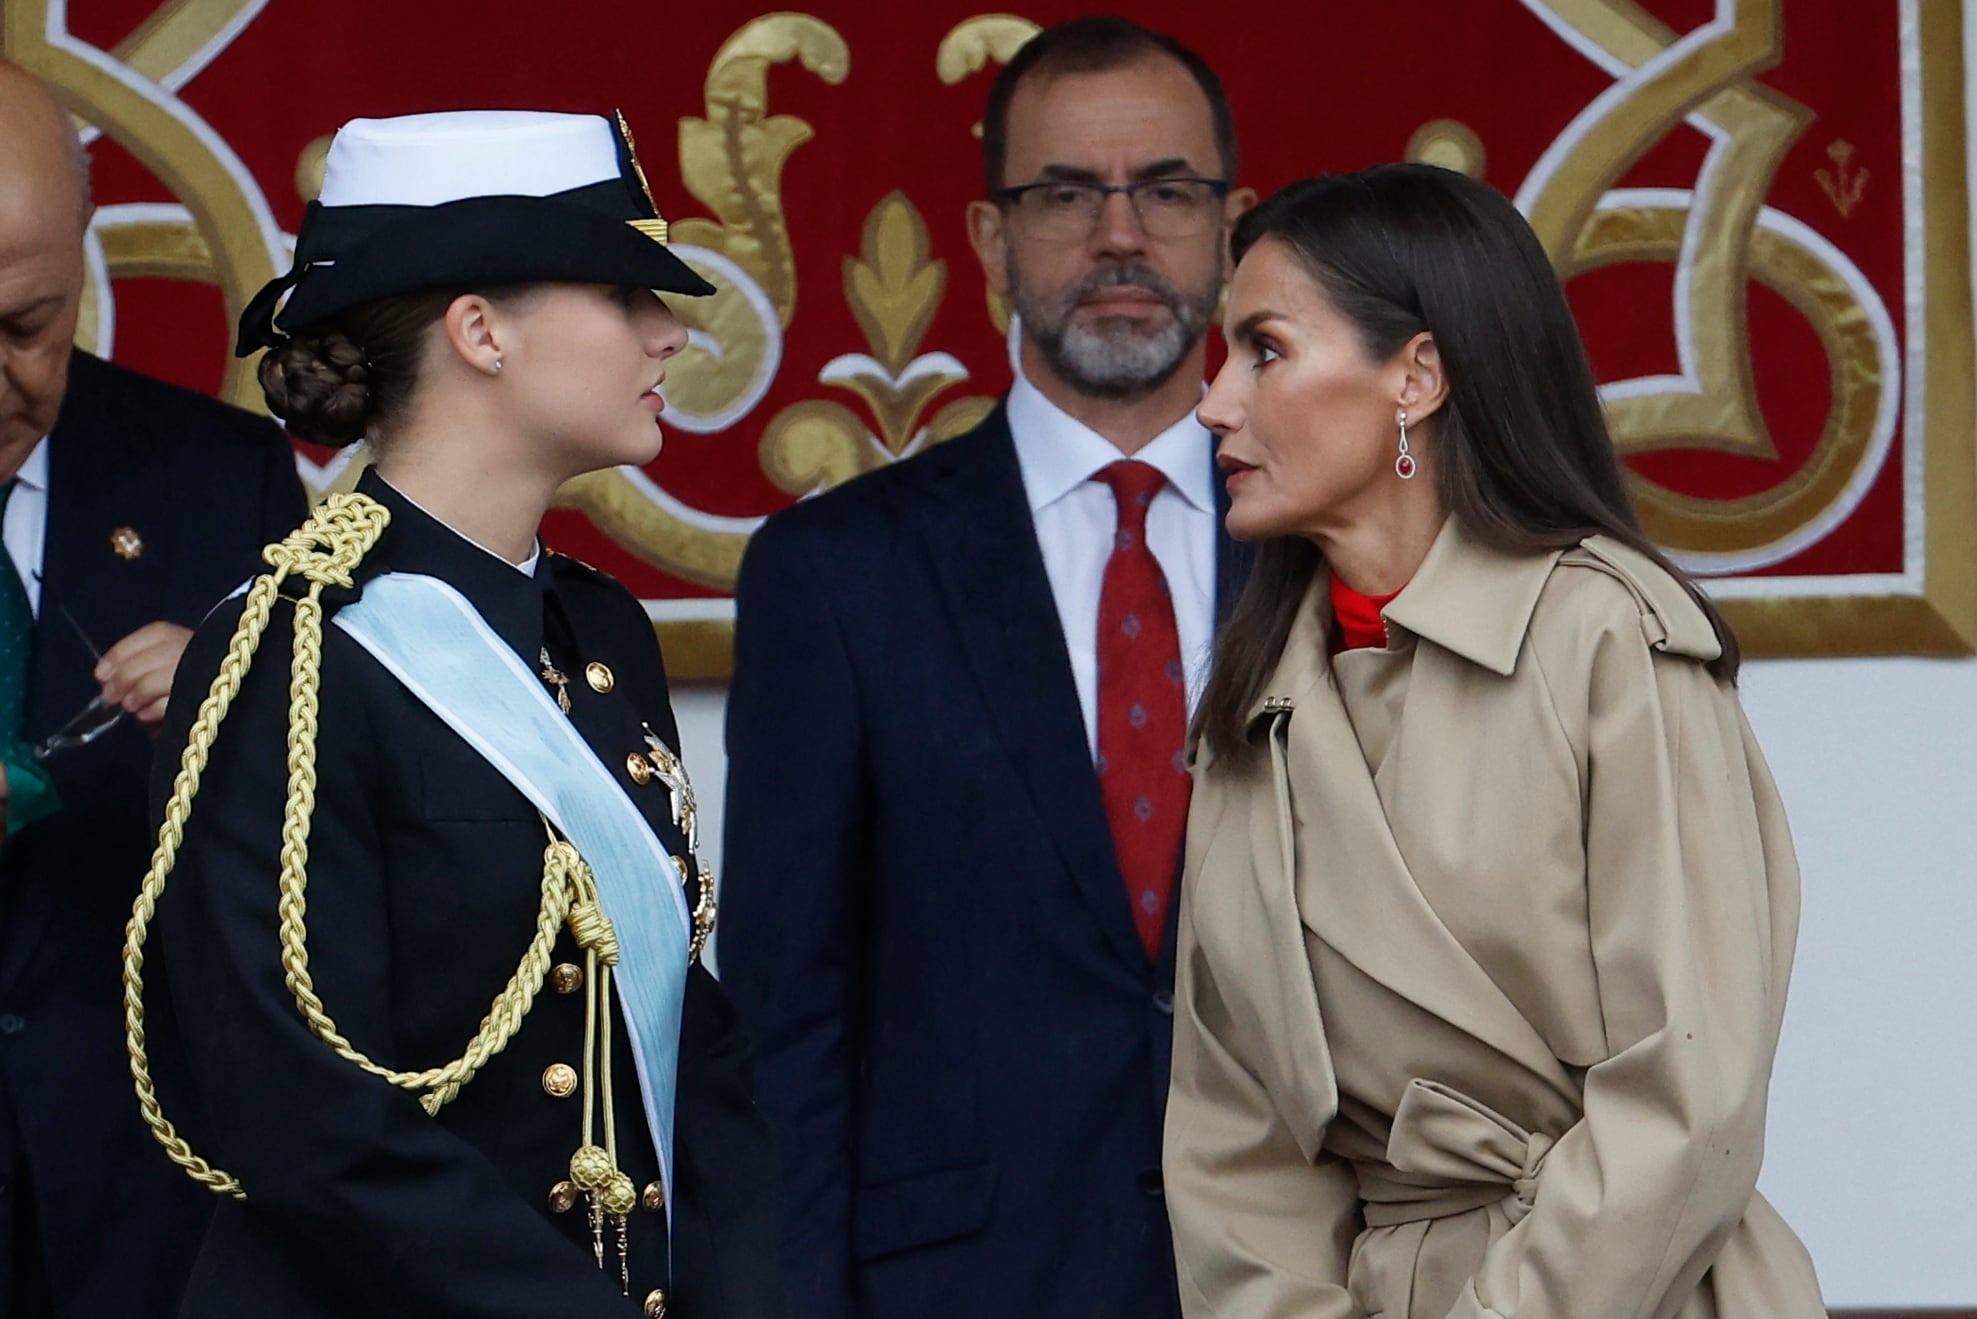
1758	205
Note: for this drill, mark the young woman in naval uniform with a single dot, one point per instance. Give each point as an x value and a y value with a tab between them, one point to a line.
426	882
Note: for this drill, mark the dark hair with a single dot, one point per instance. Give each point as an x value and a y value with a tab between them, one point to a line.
341	380
1523	460
1094	45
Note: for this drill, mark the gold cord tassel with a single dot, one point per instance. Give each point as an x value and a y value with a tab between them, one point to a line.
608	1193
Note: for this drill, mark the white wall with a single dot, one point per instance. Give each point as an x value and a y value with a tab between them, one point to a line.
1873	1150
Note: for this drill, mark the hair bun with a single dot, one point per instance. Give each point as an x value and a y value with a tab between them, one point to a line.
320	386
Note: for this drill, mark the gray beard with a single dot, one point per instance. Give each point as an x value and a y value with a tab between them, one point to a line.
1118	357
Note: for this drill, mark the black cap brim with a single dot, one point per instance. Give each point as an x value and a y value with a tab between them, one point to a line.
479	242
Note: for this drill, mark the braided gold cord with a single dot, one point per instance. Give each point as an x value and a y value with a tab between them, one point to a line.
325	548
325	551
504	1017
171	833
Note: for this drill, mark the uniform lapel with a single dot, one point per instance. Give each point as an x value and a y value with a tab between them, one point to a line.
984	548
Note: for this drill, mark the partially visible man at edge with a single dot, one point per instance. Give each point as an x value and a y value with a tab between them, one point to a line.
129	508
963	685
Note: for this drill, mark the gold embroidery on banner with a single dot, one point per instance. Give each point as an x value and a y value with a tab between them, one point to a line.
227	213
1450	144
893	288
1842	184
731	160
971	46
175	34
975	43
158	249
311	164
1798	274
1714	242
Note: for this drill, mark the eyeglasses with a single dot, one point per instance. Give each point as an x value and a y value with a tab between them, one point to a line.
90	723
93	720
1056	212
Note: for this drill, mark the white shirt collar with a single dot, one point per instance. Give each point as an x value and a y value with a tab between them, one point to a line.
34	472
1057	453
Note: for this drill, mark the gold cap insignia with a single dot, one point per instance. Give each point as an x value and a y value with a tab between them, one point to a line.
656	228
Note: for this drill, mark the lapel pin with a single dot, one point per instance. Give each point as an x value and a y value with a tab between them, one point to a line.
126	542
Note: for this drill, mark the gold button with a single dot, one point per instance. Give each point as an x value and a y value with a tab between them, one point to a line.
654	1197
599	676
655	1304
559	1080
566	978
562	1197
638	767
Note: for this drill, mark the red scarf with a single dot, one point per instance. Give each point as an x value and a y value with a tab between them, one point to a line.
1359	618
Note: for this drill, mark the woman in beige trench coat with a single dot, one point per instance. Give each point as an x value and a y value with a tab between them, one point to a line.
1490	901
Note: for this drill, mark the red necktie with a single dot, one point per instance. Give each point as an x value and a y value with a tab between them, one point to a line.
1142	708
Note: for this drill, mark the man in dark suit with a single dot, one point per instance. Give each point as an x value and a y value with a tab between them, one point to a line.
130	508
957	788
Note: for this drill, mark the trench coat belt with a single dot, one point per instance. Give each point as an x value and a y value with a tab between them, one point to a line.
1450	1154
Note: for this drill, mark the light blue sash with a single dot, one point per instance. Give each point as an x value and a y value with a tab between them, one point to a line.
431	639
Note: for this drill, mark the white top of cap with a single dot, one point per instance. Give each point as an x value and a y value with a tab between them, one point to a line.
430	159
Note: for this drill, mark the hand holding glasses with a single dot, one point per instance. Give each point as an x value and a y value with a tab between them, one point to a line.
89	723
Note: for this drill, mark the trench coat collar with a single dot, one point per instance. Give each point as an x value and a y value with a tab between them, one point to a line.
1477	602
1473	600
1465	597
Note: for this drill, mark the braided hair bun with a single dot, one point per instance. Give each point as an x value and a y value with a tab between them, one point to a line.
320	386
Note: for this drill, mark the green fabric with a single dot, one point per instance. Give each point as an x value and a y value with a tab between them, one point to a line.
30	792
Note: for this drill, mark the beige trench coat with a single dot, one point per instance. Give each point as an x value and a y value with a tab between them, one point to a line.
1481	968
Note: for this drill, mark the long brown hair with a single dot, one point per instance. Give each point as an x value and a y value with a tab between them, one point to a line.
1523	459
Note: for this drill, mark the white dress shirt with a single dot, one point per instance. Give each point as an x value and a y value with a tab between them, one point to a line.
1076	522
26	528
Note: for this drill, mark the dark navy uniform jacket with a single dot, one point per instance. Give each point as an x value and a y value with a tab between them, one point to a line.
425	877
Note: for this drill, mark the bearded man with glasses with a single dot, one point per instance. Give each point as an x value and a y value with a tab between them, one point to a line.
962	687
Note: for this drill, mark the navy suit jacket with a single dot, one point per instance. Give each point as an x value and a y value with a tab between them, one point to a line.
962	1043
204	487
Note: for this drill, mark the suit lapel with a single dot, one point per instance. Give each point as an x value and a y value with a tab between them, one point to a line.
984	547
94	580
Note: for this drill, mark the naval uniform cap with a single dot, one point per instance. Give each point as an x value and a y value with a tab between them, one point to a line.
431	159
469	199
